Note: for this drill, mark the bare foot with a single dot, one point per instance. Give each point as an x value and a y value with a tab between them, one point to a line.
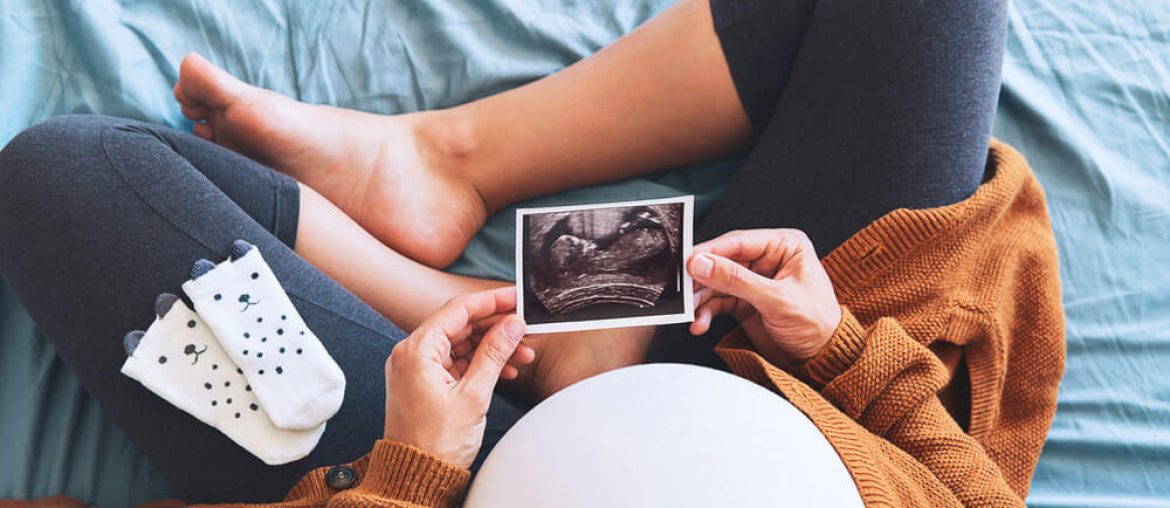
563	359
373	167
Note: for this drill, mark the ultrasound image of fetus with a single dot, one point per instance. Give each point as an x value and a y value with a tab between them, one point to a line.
610	260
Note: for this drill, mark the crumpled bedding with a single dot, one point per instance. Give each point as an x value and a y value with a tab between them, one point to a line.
1086	98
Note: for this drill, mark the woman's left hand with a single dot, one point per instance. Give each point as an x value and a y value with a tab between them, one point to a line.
439	381
772	282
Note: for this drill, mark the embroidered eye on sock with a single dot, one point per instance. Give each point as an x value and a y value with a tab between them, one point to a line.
243	361
296	380
179	359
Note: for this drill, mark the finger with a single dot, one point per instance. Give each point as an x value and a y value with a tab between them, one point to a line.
204	130
524	355
446	360
463	349
475	329
702	322
741	245
702	295
726	304
453	318
727	276
180	95
762	250
193	113
509	372
492	355
714	306
481	326
478	327
459	367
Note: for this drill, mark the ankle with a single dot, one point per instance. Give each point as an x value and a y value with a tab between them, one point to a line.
448	142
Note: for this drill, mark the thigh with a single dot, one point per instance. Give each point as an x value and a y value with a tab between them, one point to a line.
98	216
881	105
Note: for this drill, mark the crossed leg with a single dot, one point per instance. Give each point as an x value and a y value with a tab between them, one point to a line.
848	110
868	111
100	215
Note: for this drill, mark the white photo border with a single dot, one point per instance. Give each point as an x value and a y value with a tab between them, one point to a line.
688	227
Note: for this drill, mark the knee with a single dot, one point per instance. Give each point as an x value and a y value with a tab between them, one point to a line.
36	149
45	140
47	169
48	155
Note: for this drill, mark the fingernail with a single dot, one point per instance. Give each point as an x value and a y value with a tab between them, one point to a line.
514	329
702	266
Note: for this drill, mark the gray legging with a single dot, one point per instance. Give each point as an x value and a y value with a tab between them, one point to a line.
100	215
859	108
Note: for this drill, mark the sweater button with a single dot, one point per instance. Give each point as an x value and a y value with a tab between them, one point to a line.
340	477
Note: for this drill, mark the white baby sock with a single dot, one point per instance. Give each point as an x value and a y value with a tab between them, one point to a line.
297	382
179	359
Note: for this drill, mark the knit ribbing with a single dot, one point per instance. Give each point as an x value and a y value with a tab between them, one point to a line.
841	353
409	475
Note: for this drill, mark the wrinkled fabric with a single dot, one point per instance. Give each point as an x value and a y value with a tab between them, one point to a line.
121	58
1086	98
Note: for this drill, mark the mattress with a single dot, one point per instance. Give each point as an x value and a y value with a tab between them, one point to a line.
1086	98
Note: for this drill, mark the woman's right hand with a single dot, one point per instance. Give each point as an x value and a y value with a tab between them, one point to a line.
439	381
772	281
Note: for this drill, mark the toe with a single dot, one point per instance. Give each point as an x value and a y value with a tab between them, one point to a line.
180	95
194	113
204	130
202	84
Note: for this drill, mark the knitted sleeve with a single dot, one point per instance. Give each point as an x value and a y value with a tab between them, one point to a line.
887	383
393	475
400	475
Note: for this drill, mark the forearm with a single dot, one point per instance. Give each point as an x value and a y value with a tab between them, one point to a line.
659	97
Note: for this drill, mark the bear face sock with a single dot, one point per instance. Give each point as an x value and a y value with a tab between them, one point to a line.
297	382
179	359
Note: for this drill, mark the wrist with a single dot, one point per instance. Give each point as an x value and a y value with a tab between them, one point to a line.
842	350
831	327
826	328
435	439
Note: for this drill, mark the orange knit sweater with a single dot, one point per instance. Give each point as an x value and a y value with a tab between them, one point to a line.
938	387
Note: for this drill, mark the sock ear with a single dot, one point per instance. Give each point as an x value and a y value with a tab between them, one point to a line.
163	304
130	343
200	268
240	248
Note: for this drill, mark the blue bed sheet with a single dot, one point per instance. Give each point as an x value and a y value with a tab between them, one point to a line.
1086	98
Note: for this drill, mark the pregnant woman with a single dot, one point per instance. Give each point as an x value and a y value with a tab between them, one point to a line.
927	343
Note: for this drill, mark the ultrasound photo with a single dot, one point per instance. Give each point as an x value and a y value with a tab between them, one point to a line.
604	266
